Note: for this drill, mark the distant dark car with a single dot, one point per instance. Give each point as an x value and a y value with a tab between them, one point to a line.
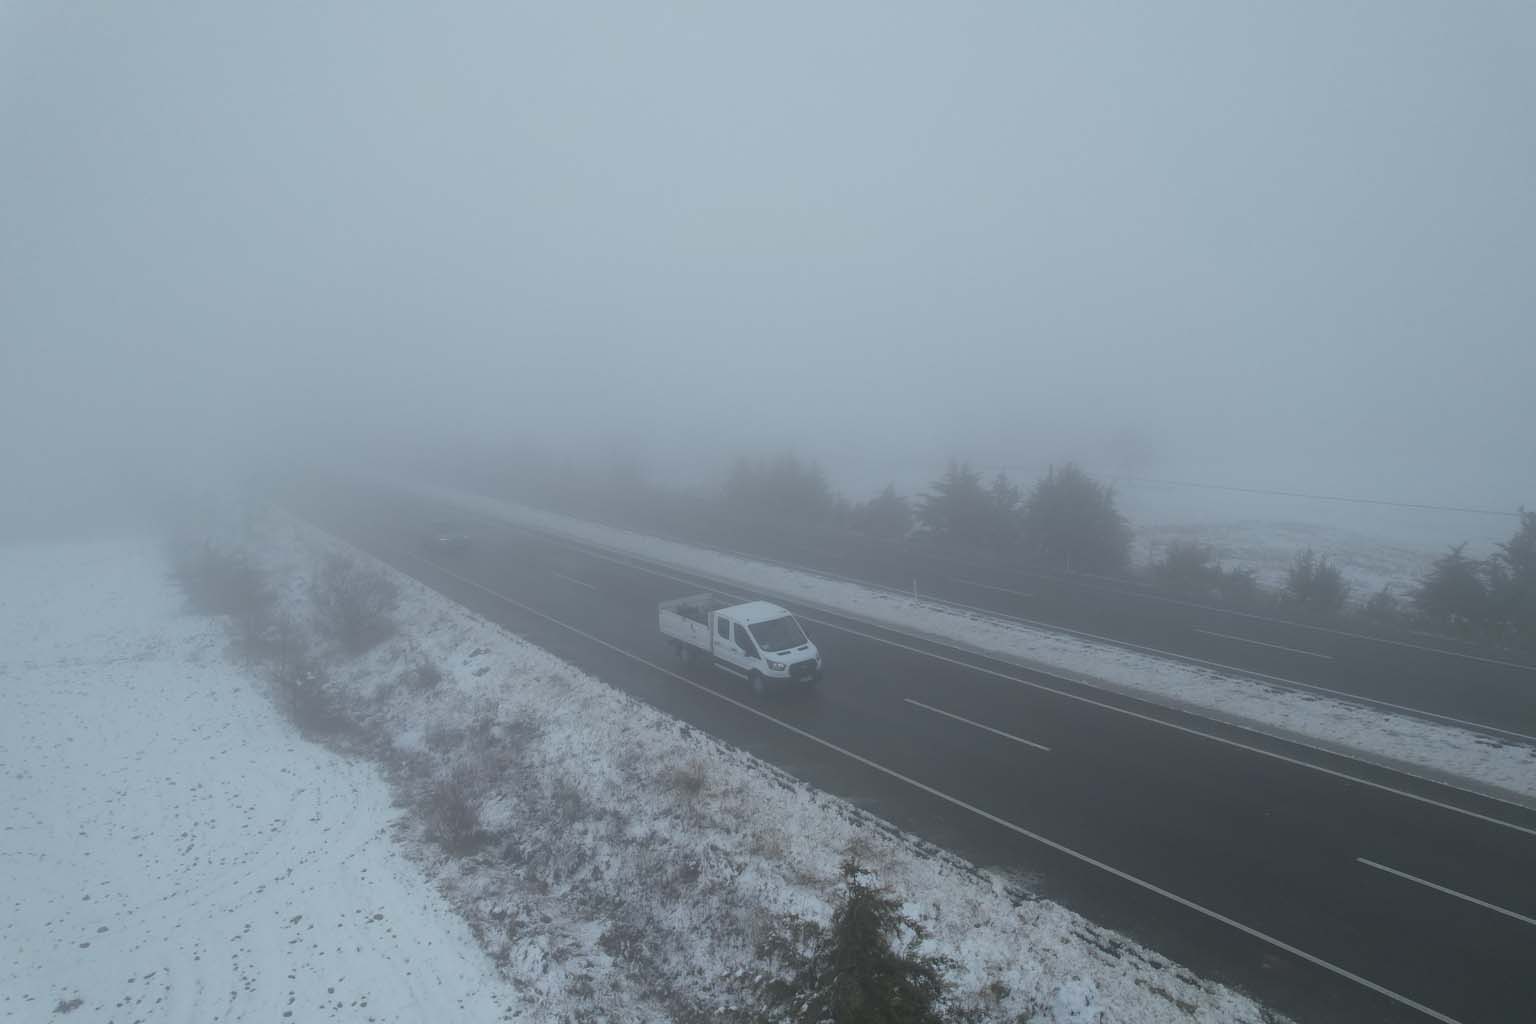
445	539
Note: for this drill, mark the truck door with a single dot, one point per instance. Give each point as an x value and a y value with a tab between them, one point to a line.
746	649
724	643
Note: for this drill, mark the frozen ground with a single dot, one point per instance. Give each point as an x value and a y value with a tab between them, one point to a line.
1375	545
170	850
1467	758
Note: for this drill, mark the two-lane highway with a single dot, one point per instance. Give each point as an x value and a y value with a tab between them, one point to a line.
1331	889
1433	676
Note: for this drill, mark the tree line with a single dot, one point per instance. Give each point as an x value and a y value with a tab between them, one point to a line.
1068	519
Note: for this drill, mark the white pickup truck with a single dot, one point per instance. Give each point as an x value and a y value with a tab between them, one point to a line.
757	641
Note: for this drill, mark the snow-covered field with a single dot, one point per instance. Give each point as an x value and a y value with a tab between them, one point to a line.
1375	546
173	851
170	849
1474	760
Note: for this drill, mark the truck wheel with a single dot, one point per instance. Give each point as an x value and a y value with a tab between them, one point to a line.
756	682
686	653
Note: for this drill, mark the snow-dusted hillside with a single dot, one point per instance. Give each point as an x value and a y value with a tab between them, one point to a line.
171	850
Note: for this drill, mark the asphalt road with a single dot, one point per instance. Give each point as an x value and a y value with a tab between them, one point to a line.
1331	890
1434	676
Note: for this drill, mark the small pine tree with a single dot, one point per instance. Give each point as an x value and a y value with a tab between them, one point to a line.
1316	585
1512	583
1453	593
866	968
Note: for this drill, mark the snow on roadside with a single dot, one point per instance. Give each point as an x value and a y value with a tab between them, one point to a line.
171	851
631	864
1438	750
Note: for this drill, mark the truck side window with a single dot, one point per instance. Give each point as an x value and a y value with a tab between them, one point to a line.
744	639
723	627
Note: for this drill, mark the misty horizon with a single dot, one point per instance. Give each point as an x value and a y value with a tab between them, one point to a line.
1284	249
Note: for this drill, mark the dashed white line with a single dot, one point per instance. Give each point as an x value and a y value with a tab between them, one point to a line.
1449	892
955	801
1262	643
572	579
978	725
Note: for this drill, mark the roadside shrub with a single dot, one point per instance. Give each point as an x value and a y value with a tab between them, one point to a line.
452	814
1240	587
1315	585
353	604
1382	607
422	677
1188	566
865	968
1071	518
304	695
219	581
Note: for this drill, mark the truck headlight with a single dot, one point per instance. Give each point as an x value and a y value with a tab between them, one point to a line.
776	666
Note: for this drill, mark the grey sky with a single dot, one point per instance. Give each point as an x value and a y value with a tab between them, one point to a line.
1285	245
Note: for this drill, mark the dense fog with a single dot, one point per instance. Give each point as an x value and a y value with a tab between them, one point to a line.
1278	246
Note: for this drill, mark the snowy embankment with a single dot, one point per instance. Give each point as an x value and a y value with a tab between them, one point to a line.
171	850
1460	756
628	867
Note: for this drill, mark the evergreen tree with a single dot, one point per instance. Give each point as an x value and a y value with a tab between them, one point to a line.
1072	518
888	514
1314	584
1453	593
866	968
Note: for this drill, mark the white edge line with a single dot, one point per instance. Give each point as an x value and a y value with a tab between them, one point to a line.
630	562
988	586
939	794
978	725
1449	892
1263	643
453	495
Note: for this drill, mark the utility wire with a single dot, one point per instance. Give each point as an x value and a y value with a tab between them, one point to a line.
1322	497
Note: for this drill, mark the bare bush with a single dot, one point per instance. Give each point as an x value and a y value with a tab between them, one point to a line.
304	694
422	677
218	580
353	604
452	813
688	781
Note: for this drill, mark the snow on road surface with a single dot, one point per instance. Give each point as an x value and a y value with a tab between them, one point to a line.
1497	766
170	850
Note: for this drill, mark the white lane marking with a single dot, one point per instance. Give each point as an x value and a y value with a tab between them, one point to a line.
572	579
457	497
988	586
630	563
1263	643
1449	892
723	667
978	725
955	801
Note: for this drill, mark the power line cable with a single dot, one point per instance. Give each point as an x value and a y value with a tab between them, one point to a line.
1323	497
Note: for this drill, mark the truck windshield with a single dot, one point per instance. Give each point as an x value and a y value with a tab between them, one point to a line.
778	634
